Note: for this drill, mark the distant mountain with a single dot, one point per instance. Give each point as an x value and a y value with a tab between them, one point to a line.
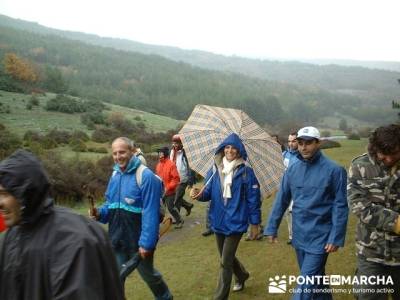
140	76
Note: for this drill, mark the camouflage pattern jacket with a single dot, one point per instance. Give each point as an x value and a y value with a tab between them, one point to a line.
374	197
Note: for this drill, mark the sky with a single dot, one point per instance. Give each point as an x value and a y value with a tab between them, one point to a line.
280	29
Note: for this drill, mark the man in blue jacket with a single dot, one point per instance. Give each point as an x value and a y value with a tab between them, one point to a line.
317	186
289	157
132	211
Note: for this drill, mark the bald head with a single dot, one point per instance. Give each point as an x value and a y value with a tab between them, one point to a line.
122	151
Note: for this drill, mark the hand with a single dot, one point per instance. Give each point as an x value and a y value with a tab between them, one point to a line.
254	231
195	193
272	239
145	253
93	213
331	248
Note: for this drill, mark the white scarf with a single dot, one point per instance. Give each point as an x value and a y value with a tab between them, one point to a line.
228	172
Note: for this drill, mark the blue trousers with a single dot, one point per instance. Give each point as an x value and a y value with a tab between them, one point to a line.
148	273
310	265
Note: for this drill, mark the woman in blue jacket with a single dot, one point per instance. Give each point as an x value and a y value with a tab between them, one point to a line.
235	202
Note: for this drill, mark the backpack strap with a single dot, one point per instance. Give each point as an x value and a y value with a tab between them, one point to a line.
139	174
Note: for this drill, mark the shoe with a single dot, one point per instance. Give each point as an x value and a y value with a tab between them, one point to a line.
289	242
189	210
179	225
238	286
207	232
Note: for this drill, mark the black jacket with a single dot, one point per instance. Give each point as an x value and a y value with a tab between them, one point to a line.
53	253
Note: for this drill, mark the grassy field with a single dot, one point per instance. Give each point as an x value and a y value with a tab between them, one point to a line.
20	119
189	262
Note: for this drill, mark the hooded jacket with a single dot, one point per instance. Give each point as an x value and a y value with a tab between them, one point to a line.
318	189
244	207
132	211
52	253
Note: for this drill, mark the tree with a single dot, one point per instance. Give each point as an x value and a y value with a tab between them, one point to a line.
343	125
19	68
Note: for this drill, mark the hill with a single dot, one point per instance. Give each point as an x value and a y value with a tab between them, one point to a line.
271	92
20	119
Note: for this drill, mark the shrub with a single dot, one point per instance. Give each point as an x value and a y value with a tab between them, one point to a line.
353	136
326	144
60	136
9	142
80	135
97	149
78	145
104	134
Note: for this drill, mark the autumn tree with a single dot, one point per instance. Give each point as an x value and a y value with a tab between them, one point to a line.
19	68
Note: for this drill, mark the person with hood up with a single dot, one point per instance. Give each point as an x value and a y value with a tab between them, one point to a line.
132	211
49	252
317	187
234	191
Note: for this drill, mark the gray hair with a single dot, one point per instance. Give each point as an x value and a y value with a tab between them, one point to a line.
130	143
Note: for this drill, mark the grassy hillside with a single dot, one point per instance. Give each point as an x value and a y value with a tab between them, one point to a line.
136	75
20	119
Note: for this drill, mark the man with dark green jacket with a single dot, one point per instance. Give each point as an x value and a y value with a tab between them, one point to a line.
374	197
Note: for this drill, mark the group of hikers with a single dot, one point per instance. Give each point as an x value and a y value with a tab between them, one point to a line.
49	252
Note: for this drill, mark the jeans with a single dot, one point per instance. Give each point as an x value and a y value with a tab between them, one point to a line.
230	265
369	268
310	265
148	273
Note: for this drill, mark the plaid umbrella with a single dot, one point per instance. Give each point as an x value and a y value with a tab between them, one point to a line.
208	126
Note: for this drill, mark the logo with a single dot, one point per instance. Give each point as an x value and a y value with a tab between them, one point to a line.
277	285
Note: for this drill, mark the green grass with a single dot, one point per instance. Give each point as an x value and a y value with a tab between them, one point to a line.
20	119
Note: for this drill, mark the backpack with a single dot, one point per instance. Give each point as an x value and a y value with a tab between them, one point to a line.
139	178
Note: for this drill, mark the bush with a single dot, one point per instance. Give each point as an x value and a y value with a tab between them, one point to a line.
65	104
78	146
353	136
97	149
60	136
80	135
9	142
325	133
326	144
104	134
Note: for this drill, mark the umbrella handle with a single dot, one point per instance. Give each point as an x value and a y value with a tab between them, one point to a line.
205	185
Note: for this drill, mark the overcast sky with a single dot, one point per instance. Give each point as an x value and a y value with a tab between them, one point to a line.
343	29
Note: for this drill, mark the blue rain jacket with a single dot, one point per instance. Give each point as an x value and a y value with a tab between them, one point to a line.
132	212
244	206
320	210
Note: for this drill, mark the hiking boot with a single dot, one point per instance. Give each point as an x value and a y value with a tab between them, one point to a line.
238	286
179	225
207	232
189	209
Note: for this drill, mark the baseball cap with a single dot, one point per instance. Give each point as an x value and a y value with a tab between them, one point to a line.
308	133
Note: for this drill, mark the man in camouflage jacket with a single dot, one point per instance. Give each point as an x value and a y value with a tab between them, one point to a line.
374	197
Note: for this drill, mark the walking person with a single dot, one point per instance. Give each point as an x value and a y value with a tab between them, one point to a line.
289	157
49	252
317	187
374	197
132	212
167	171
235	202
178	156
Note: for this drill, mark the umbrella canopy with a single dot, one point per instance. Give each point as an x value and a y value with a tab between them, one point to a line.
208	126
